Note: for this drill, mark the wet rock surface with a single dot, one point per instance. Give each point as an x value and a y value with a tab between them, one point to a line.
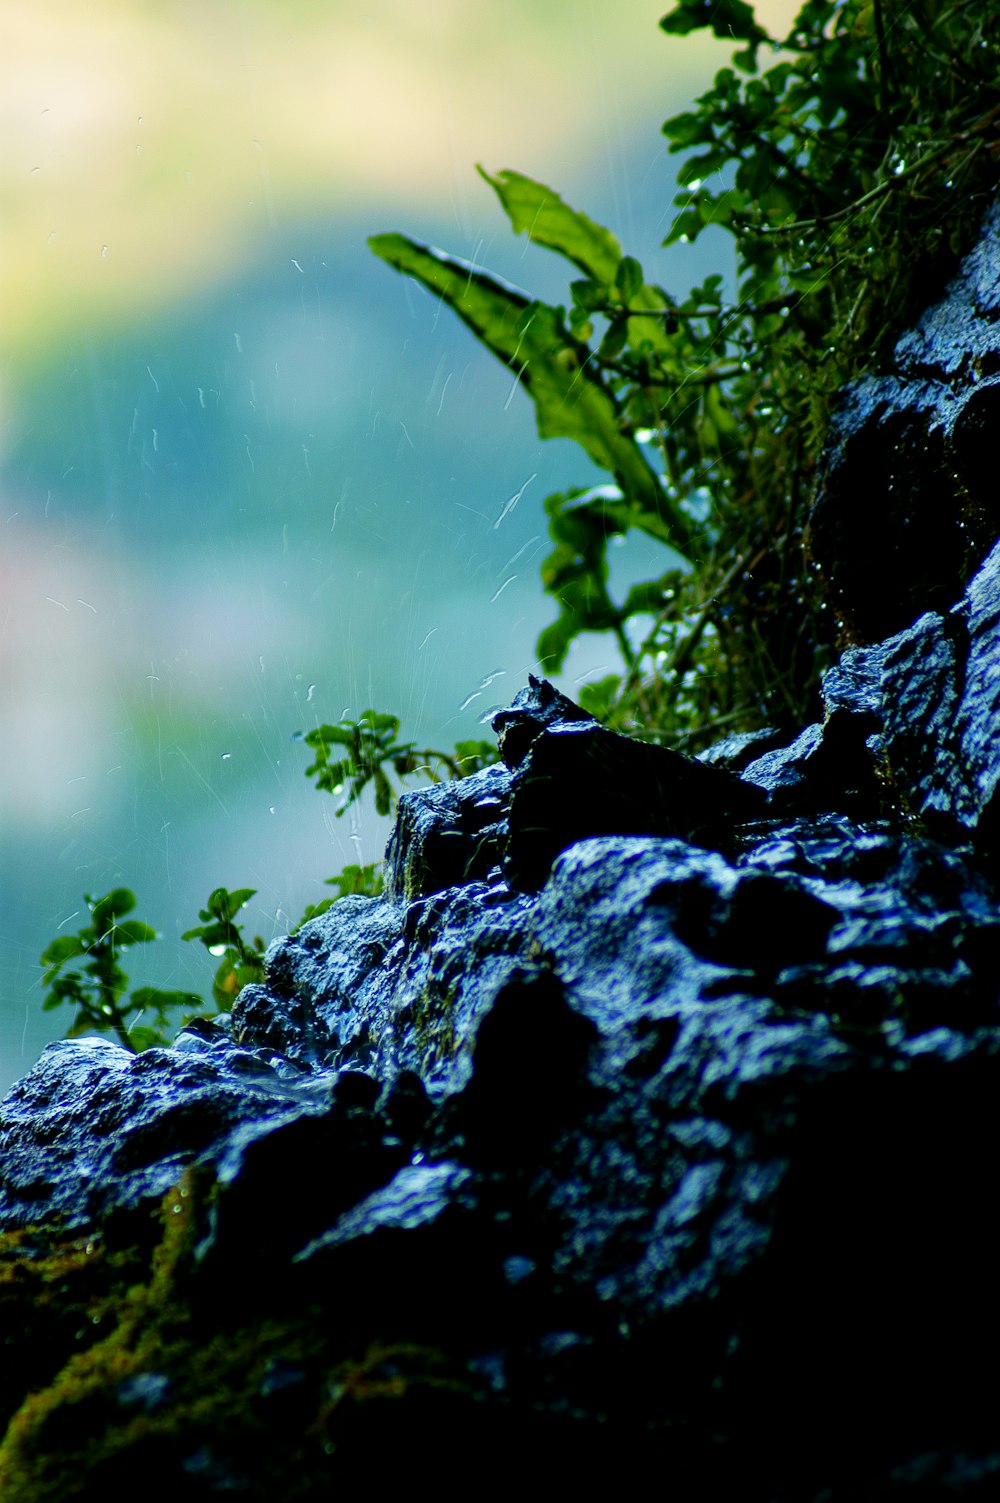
649	1118
906	506
667	1138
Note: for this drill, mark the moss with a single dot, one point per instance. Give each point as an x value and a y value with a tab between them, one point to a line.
61	1428
59	1295
152	1377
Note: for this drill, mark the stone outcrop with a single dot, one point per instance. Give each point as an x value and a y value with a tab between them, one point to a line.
648	1118
906	506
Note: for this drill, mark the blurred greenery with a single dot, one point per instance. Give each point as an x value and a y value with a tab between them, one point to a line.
152	148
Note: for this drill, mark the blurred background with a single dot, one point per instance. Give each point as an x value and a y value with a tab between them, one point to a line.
250	478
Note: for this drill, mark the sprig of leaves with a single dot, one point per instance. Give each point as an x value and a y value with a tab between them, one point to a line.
98	989
240	962
354	753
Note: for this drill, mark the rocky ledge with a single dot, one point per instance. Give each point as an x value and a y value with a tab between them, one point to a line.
648	1117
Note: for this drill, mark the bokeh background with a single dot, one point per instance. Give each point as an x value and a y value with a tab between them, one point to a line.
250	478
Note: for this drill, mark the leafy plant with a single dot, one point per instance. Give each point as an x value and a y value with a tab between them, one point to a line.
364	881
240	963
370	750
850	173
98	990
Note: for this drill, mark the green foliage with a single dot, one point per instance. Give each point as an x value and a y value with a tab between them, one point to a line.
240	962
97	990
371	747
850	173
353	881
531	338
370	750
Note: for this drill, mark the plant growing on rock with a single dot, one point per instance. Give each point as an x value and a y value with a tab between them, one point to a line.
97	988
222	937
850	173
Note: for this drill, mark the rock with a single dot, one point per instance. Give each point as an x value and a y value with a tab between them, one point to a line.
941	698
837	763
905	508
648	1114
595	1144
579	780
536	708
448	834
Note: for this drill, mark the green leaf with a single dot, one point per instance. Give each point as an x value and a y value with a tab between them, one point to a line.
61	950
598	698
384	726
541	214
107	909
686	227
728	19
615	339
132	932
645	598
472	755
383	791
313	910
690	172
689	129
571	400
331	735
628	278
150	997
554	642
56	998
226	905
143	1037
590	297
354	879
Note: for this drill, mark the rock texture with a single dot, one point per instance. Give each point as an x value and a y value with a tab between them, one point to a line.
648	1119
907	499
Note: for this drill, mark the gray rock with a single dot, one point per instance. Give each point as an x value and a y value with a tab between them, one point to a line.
941	707
905	508
92	1128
